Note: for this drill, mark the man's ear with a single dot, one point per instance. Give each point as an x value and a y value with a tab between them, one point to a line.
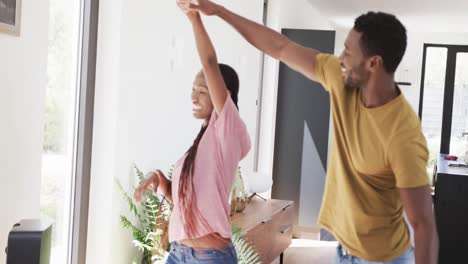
374	63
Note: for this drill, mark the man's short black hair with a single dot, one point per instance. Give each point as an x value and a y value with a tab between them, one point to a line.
384	35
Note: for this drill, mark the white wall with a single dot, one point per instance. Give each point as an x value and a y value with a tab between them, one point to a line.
103	170
22	104
146	65
298	14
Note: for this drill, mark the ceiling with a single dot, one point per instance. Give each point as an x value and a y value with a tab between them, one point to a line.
425	15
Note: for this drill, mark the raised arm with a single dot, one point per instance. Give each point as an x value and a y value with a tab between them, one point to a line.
278	46
216	85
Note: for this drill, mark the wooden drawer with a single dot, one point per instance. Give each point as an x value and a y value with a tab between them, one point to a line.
282	225
261	237
271	233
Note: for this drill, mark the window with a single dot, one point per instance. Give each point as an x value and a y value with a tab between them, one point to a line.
67	130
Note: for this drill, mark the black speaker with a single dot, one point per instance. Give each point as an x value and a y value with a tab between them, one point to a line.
29	242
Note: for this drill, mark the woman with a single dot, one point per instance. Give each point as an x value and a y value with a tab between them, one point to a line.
200	228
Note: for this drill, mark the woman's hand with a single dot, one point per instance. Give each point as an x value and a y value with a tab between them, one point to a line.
184	6
151	180
206	7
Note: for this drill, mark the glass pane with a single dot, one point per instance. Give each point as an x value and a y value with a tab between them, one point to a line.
59	129
434	83
458	140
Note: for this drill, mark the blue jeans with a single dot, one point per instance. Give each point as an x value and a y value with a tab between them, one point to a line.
406	258
183	254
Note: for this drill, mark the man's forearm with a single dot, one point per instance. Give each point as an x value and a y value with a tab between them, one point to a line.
263	38
426	244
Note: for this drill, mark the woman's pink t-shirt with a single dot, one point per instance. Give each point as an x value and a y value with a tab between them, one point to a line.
224	143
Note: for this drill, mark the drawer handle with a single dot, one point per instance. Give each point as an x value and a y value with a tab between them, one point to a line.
285	229
286	207
266	220
243	234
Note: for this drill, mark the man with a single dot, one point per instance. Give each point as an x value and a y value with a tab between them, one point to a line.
379	154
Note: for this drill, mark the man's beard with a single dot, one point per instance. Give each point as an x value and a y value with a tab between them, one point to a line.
352	83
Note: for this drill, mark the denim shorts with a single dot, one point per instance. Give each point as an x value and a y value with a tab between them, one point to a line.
183	254
406	258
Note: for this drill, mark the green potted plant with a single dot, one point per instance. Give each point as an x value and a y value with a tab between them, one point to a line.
150	233
152	216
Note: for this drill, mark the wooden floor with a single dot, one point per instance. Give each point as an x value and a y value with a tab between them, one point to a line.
305	251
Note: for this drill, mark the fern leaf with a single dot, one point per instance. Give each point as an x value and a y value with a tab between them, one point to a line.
246	254
131	205
139	173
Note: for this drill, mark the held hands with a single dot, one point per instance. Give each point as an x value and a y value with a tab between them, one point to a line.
151	180
205	7
184	6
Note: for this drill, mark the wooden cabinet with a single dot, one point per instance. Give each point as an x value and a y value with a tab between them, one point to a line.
268	226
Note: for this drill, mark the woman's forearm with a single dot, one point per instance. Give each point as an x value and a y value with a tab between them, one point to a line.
206	50
165	186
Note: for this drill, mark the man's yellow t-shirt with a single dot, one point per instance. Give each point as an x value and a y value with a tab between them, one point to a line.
375	152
